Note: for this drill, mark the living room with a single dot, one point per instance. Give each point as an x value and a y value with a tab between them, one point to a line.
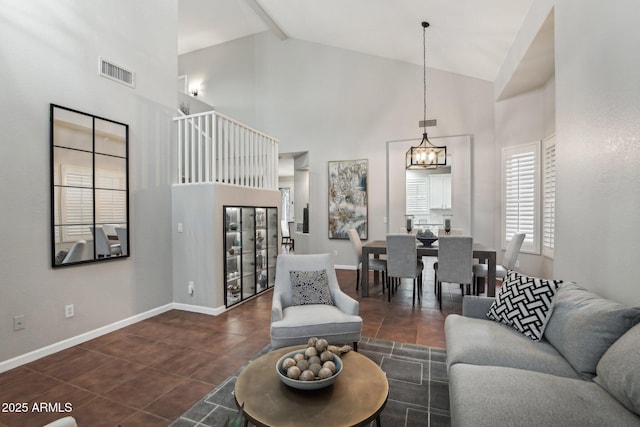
330	102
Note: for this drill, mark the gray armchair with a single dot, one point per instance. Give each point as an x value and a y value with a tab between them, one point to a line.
295	324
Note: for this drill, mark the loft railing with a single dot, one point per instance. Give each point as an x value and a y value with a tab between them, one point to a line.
215	148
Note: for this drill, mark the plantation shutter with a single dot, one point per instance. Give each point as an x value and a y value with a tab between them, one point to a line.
417	196
549	197
77	197
520	197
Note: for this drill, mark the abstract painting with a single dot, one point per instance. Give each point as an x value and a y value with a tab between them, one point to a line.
347	198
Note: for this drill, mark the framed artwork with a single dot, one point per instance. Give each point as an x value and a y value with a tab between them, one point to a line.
348	207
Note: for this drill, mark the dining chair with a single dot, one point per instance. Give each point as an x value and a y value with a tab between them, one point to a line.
403	263
104	248
455	263
375	264
76	253
121	232
508	262
287	240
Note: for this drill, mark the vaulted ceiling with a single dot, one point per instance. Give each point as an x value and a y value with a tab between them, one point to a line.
468	37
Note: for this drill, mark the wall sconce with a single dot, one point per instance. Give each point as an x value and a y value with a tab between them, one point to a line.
194	89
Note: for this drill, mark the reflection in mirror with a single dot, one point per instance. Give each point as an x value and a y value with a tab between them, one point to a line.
446	192
89	175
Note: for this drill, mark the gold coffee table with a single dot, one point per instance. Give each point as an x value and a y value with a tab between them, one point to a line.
356	398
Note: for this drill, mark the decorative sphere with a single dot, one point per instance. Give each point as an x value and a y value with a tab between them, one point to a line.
330	366
326	356
312	342
307	375
315	359
310	351
287	363
325	373
303	364
321	345
294	372
315	368
298	356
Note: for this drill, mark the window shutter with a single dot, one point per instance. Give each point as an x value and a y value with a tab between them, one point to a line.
77	197
417	196
520	195
549	197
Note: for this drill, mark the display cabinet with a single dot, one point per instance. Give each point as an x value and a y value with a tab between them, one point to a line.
251	250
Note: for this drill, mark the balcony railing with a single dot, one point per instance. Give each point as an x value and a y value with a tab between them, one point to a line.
215	148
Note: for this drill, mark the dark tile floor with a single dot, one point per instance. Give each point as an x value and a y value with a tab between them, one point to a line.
149	373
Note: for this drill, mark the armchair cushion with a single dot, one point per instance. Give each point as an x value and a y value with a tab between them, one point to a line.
310	287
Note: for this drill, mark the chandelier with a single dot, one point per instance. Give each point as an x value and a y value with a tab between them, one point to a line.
426	155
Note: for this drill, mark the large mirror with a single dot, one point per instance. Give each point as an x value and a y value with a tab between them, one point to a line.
89	188
430	196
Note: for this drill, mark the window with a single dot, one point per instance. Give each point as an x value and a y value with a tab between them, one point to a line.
549	196
521	183
417	195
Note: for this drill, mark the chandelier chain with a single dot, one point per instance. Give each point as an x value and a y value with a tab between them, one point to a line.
424	76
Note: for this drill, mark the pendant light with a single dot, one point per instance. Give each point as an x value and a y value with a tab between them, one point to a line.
426	155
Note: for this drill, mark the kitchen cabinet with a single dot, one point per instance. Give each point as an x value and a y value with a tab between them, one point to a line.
440	191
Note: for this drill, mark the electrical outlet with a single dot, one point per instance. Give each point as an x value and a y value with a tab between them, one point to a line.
69	311
190	288
517	263
179	227
335	252
18	322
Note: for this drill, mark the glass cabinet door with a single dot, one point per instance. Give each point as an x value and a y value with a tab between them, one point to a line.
233	256
248	253
251	251
272	250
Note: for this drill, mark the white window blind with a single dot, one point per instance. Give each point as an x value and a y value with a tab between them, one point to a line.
417	196
77	200
549	197
521	206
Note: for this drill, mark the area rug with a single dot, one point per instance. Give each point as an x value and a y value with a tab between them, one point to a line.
418	388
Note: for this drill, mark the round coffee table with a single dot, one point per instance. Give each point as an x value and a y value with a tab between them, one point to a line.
356	398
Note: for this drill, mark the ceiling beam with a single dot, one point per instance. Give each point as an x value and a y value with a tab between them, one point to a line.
269	22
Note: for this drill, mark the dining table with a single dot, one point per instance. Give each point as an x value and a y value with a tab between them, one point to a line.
483	253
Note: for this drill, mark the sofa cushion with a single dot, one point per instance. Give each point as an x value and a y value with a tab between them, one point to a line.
310	287
583	326
496	396
524	303
484	342
618	371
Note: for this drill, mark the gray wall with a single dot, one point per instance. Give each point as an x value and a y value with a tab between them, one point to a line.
50	55
340	105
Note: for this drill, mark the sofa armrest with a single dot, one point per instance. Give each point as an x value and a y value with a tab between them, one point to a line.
345	303
476	306
276	307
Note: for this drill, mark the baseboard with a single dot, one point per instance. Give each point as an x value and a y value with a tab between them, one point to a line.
199	309
345	267
87	336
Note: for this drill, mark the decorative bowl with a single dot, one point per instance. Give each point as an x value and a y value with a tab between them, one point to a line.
307	385
427	241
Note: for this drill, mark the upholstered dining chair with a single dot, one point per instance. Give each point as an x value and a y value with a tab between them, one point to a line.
76	253
287	240
104	248
403	263
455	263
308	302
375	264
508	262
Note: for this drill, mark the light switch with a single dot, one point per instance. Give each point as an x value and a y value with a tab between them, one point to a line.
179	227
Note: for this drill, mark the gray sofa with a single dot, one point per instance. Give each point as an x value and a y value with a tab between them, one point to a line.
585	371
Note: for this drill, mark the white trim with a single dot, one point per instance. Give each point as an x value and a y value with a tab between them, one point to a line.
199	309
23	359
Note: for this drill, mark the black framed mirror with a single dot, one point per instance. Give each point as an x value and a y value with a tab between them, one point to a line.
89	188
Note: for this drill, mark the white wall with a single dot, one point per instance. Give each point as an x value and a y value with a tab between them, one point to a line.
50	55
340	105
597	105
598	146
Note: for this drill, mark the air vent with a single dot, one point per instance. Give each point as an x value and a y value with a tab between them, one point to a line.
117	73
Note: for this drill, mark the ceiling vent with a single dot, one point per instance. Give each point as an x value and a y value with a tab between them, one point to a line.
117	73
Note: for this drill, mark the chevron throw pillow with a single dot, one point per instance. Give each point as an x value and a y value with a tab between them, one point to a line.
524	303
